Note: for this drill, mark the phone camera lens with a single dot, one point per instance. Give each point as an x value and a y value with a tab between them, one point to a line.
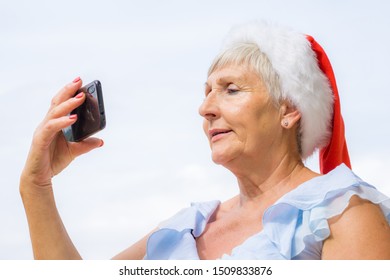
91	89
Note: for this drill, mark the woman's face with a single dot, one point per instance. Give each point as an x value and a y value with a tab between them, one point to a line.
240	120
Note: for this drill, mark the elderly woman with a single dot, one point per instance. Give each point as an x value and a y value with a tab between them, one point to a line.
270	101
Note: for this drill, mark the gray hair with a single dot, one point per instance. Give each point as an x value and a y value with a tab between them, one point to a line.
249	54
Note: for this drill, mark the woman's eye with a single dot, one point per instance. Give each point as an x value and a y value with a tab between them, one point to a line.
232	89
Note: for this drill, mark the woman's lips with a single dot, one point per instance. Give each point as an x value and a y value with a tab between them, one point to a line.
216	134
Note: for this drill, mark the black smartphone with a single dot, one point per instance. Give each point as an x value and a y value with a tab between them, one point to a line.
91	117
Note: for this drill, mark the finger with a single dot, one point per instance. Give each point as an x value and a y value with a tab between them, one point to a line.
66	107
85	146
66	92
46	132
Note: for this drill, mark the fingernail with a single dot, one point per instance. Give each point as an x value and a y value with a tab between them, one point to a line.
73	117
80	95
76	80
101	143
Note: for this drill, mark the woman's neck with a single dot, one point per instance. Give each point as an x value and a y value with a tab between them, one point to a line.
271	181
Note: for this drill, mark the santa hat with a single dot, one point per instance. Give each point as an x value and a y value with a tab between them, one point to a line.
307	80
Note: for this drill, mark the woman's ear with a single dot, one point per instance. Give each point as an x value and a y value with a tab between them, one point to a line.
289	115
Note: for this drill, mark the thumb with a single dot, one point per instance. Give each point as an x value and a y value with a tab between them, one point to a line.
79	148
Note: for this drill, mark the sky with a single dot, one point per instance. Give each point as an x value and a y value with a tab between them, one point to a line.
152	58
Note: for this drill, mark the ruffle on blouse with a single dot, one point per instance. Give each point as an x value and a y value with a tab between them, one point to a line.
302	215
175	238
293	228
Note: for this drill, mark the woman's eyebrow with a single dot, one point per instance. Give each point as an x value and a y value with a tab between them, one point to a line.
225	80
229	79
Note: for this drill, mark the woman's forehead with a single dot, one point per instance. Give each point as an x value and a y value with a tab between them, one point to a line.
233	74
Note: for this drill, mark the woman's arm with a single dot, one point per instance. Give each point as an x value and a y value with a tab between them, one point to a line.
49	154
48	235
360	232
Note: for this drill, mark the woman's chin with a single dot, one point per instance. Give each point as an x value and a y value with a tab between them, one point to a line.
221	158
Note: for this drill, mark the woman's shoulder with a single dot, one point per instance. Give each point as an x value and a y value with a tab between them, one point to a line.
361	231
329	195
312	205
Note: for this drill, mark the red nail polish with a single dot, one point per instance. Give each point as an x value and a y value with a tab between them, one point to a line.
101	143
76	80
80	95
73	117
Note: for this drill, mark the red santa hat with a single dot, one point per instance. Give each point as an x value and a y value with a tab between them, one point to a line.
307	80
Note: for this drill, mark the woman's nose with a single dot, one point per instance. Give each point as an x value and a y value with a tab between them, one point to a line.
209	109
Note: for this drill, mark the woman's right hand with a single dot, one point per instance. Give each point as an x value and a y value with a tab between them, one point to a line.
50	153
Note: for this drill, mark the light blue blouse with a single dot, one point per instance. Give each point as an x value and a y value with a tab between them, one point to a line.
293	228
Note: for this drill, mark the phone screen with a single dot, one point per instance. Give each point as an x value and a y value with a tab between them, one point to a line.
90	114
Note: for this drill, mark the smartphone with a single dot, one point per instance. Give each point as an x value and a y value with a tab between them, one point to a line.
91	116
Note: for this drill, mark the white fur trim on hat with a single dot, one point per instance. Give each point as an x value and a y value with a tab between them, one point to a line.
302	81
